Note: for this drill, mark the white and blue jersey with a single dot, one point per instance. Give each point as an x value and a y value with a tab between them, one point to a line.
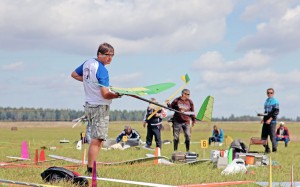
271	109
93	71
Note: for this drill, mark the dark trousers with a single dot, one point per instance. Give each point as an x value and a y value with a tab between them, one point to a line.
269	130
153	130
187	134
213	139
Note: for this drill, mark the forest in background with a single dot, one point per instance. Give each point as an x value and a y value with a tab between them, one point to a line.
40	114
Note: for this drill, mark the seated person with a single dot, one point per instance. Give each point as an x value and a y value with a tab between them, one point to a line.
217	135
282	134
133	137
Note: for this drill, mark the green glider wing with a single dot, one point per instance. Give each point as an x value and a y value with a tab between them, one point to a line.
205	112
147	90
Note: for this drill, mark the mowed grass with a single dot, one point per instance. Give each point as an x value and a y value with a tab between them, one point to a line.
48	134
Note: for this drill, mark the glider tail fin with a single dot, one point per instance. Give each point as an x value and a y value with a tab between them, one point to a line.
205	112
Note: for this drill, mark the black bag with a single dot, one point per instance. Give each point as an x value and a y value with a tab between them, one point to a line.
56	174
239	146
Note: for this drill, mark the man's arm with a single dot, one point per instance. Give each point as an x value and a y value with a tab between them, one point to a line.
107	94
76	76
119	138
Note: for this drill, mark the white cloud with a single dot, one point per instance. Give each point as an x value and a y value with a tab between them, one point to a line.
266	9
280	34
79	26
13	66
239	85
251	70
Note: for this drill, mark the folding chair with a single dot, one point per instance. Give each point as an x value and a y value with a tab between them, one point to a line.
257	141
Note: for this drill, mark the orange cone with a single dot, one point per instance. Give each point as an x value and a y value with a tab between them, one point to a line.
42	156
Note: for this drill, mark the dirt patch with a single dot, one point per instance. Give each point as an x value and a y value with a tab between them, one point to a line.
19	125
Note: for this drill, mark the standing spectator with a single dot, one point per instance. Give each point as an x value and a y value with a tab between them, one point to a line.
217	135
97	99
282	134
154	124
269	120
181	121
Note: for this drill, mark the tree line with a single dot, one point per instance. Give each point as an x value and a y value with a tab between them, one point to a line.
40	114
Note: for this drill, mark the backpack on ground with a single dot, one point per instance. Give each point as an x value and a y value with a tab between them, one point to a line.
57	174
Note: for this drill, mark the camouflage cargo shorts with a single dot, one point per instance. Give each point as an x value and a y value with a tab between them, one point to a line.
98	117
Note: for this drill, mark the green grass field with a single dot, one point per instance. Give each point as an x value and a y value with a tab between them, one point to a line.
48	134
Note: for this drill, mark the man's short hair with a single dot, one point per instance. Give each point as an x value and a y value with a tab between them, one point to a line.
127	127
104	48
271	90
185	90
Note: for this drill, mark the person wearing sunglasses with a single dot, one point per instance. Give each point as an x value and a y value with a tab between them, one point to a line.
181	121
269	120
97	99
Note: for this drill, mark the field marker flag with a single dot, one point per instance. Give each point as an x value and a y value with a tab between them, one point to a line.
25	152
186	79
83	156
94	175
270	177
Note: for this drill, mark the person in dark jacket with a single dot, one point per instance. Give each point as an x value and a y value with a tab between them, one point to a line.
133	137
182	121
154	123
282	134
269	120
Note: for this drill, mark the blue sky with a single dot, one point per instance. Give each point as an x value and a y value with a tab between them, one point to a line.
232	50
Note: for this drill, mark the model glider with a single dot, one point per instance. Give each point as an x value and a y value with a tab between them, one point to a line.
81	119
24	183
147	90
186	80
127	162
204	114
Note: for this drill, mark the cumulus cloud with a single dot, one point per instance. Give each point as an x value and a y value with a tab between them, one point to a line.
133	26
13	66
280	34
250	70
261	9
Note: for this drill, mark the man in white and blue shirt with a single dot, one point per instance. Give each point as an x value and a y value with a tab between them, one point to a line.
97	98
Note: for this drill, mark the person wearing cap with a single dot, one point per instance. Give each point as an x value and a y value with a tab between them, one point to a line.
217	135
282	134
133	137
154	124
269	120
